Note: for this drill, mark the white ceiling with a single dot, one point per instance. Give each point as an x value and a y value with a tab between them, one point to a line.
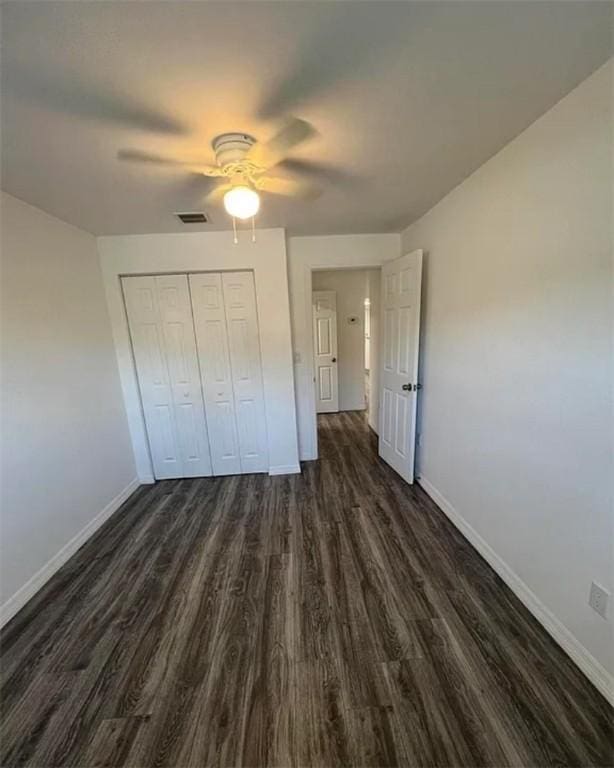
408	98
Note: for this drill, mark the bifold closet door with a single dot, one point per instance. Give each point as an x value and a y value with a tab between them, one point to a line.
226	322
162	330
214	357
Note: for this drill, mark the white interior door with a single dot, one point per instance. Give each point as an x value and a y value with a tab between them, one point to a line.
246	368
325	351
401	283
162	331
214	356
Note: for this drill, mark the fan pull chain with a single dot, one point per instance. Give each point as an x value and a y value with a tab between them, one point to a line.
253	229
234	229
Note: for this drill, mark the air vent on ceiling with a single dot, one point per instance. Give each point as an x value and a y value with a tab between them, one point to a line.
193	218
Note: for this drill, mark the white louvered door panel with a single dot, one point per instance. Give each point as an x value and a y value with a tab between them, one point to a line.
214	357
162	332
401	284
154	383
244	346
178	327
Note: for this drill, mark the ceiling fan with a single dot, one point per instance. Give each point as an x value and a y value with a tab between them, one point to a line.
242	167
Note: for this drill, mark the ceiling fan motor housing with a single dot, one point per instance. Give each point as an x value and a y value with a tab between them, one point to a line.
231	147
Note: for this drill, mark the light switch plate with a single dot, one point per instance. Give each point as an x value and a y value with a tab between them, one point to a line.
598	599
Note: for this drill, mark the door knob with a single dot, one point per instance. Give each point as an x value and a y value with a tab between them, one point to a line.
334	359
406	387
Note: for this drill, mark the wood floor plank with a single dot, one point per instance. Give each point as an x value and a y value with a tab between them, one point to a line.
269	723
332	618
113	742
322	732
375	738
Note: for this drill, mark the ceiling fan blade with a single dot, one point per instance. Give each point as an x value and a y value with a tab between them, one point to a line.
321	172
319	67
92	101
139	156
288	187
294	132
217	193
189	190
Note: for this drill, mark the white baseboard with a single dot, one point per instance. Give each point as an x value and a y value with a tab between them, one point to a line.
596	673
285	469
147	479
308	456
31	587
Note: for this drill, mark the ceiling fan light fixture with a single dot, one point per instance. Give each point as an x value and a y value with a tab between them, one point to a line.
242	202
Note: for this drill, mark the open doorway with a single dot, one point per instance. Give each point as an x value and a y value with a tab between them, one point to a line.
345	307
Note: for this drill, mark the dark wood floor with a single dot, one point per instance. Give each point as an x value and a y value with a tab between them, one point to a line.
330	619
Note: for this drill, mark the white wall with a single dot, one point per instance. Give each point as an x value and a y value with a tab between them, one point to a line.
212	251
66	457
350	285
516	410
374	282
306	254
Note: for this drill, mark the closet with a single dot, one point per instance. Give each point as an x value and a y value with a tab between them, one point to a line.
196	347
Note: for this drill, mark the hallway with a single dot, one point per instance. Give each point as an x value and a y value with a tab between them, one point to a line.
330	618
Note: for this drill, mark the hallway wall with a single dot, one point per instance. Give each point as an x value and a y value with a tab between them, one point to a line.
374	282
